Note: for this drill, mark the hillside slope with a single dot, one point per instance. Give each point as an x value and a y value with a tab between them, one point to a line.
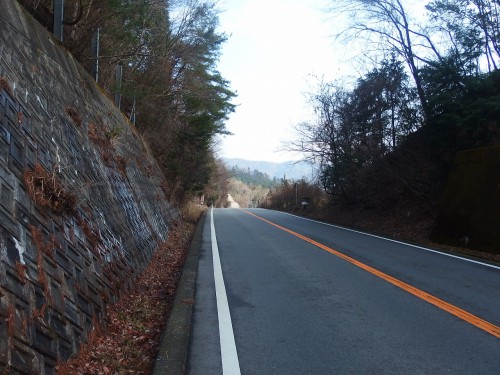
290	169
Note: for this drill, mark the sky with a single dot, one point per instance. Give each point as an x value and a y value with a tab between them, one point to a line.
274	51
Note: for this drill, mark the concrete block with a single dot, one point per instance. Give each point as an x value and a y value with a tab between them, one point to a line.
7	197
8	224
72	312
23	359
4	345
44	341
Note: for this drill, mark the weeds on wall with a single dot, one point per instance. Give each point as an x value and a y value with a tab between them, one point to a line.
132	338
24	325
43	249
121	164
47	192
104	142
91	235
17	324
4	85
97	136
20	118
21	272
74	115
11	319
39	314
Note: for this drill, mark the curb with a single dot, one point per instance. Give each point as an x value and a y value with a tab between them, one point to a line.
173	352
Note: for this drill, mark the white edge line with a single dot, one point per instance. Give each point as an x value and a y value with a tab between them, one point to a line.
391	240
229	355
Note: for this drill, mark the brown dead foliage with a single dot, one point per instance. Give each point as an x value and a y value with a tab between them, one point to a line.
44	247
129	344
11	319
47	192
4	85
121	164
21	272
91	235
97	135
39	314
74	115
106	148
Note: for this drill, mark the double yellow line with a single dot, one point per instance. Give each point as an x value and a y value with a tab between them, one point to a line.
448	307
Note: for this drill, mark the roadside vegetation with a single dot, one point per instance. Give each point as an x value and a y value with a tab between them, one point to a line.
386	142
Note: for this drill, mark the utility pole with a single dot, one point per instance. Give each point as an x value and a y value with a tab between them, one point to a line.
58	19
118	84
95	54
132	113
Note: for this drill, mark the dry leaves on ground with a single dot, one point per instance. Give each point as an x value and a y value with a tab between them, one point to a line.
130	342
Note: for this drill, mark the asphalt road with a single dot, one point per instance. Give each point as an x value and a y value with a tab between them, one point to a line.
349	303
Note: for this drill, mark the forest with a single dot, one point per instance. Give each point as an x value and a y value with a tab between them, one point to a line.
437	84
386	142
253	178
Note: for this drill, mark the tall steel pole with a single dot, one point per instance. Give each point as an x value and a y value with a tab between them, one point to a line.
95	55
118	84
58	19
296	195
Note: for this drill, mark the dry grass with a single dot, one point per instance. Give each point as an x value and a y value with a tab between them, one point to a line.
74	115
4	85
192	211
47	192
105	143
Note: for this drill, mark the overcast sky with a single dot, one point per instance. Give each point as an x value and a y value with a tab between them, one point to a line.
274	49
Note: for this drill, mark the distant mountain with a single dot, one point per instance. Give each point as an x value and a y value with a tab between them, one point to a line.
291	170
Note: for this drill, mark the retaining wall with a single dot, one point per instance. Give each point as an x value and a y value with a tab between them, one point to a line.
81	204
470	206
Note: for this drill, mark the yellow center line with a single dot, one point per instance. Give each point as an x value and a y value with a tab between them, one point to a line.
448	307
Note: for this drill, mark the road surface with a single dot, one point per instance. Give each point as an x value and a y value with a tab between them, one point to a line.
279	294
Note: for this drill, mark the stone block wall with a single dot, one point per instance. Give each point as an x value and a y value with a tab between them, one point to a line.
81	204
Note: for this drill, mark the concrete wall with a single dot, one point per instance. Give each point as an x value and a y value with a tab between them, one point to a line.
470	206
81	207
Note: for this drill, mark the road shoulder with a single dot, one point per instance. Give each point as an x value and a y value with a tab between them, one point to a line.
172	355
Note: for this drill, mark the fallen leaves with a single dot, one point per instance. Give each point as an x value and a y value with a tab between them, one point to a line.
129	344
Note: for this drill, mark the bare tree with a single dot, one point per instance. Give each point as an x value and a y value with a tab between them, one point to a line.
388	25
471	25
328	141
